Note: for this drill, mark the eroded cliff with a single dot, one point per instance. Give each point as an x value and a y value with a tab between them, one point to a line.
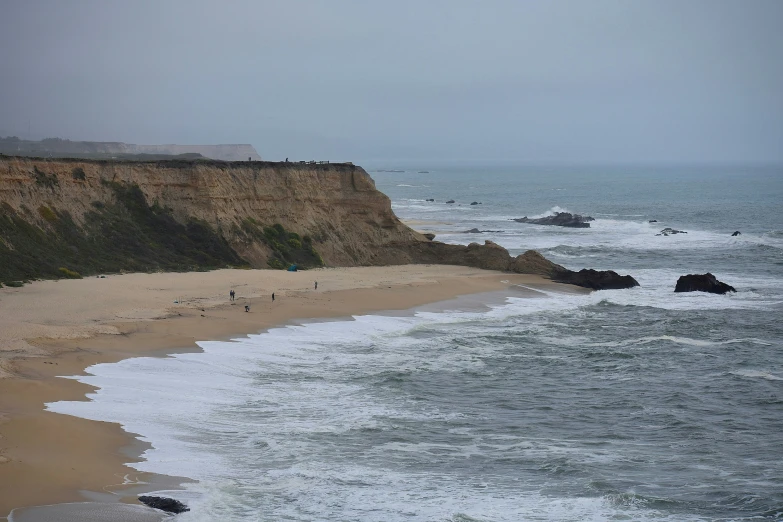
71	215
47	202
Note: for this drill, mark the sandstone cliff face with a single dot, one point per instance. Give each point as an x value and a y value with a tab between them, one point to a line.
97	215
336	204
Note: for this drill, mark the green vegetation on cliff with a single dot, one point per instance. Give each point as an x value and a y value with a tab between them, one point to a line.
127	235
287	247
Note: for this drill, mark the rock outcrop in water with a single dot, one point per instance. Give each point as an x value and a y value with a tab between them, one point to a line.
670	231
169	505
595	279
736	233
702	283
560	219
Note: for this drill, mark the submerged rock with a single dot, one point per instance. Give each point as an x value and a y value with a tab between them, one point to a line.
595	279
653	221
737	233
430	199
168	505
702	283
560	219
450	201
475	203
477	231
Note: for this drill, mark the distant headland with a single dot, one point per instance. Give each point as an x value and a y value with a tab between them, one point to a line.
61	148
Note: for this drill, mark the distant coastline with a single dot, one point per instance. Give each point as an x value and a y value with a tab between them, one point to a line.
61	148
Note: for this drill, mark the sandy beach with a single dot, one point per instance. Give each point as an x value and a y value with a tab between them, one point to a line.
58	328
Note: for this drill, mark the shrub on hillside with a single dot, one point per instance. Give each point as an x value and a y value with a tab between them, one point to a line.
287	247
47	213
70	274
273	262
47	180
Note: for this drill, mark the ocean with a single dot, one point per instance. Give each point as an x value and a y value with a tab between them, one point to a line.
637	404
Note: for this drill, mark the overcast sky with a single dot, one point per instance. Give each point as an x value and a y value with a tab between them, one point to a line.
565	81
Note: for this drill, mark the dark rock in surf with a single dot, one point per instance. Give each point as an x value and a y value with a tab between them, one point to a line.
670	231
595	279
559	219
475	203
429	236
737	233
450	201
653	221
431	199
169	505
702	283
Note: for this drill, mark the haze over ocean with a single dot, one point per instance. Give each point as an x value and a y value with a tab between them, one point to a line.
636	404
564	81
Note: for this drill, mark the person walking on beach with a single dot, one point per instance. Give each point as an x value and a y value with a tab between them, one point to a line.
247	308
316	285
231	294
273	296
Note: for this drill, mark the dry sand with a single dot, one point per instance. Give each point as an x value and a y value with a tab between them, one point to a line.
58	328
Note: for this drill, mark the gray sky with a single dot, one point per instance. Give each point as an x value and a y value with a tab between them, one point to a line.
566	81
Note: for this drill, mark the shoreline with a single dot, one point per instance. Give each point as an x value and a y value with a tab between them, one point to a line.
48	458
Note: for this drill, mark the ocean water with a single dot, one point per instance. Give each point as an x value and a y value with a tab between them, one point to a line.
636	404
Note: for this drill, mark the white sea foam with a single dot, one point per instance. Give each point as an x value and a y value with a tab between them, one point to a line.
607	232
757	374
551	212
238	417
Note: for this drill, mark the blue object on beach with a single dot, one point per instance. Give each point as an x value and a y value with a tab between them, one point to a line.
292	268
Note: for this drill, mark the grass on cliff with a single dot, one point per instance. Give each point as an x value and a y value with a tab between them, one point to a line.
127	235
287	247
